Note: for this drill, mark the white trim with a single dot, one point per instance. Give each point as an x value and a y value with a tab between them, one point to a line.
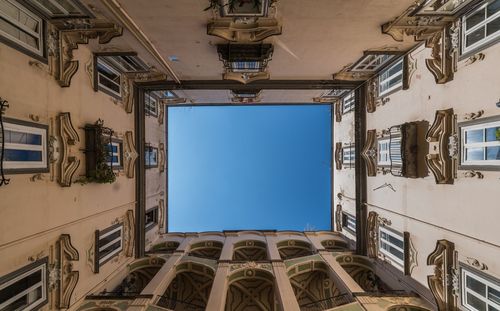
384	78
114	252
16	23
13	146
348	154
148	106
464	146
350	223
385	153
375	60
43	281
398	261
113	154
464	290
482	24
348	103
113	70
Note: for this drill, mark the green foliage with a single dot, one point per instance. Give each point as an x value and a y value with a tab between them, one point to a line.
215	4
498	133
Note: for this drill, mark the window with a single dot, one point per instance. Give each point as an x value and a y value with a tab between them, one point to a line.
20	26
481	26
114	154
246	66
348	155
168	95
392	245
108	78
151	105
480	144
25	147
348	103
383	152
372	62
109	244
389	149
349	222
125	63
391	78
60	8
479	292
25	289
151	218
151	157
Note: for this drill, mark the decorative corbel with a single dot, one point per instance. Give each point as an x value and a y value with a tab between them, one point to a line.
372	234
63	278
162	157
440	284
65	35
473	174
338	156
161	208
371	95
161	112
67	137
345	74
338	217
369	152
129	154
246	77
129	79
444	54
409	68
128	233
442	164
410	254
338	110
244	30
474	115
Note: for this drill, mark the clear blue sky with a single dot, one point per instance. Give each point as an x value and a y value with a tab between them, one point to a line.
249	167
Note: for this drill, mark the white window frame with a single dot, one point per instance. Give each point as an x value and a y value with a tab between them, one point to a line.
350	223
39	35
148	107
26	165
383	79
104	259
486	39
147	156
464	290
251	66
464	146
375	60
383	153
112	69
156	221
64	13
383	229
348	103
350	152
42	269
117	154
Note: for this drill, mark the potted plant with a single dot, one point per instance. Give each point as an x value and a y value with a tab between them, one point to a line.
97	169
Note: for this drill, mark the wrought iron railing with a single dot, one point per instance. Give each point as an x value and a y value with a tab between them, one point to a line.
327	303
396	150
114	295
3	105
387	293
174	304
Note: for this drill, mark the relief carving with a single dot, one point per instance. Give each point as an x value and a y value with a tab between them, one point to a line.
67	137
338	156
129	79
369	152
338	217
129	154
347	75
338	110
128	233
63	278
162	157
244	30
65	35
246	77
410	66
440	284
442	164
161	112
372	232
410	258
162	211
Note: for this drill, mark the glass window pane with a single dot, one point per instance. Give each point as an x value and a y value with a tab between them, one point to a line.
493	134
109	249
474	136
19	286
9	10
490	308
14	155
474	19
493	26
49	6
109	238
396	241
68	6
476	302
492	153
18	34
475	37
493	8
474	154
22	138
476	286
494	295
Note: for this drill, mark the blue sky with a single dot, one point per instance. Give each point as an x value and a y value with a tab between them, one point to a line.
249	167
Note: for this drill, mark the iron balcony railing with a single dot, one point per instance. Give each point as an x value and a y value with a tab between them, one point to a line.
327	303
174	304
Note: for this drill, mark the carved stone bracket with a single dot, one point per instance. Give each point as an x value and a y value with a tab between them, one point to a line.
65	35
442	164
410	258
129	154
338	218
338	110
372	234
246	77
162	157
444	54
250	267
369	152
63	278
474	115
410	66
161	112
476	263
244	30
371	95
347	75
128	233
440	284
129	79
338	156
67	137
473	174
162	212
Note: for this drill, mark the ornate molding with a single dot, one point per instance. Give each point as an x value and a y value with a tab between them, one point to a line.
444	53
338	110
440	284
162	157
63	279
246	77
129	79
477	264
338	156
411	254
346	74
338	217
369	152
473	174
162	211
372	234
67	137
409	68
244	30
129	154
372	95
161	112
250	266
128	233
474	115
442	164
65	35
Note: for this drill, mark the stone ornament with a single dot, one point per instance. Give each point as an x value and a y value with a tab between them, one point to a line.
444	260
129	154
247	30
129	80
411	254
60	146
62	277
369	152
128	233
162	157
338	217
338	156
372	232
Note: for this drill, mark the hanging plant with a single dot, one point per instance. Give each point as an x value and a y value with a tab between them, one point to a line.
232	4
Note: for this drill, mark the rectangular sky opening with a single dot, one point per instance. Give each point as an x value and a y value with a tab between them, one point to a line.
249	167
